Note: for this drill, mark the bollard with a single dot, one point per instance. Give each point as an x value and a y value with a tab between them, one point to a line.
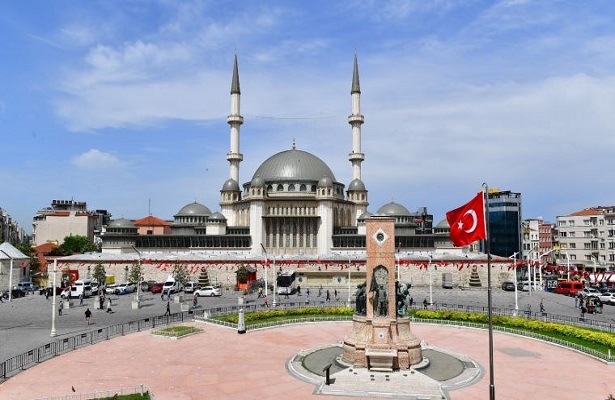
241	325
327	375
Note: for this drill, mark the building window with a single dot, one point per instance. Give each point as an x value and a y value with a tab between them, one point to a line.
291	188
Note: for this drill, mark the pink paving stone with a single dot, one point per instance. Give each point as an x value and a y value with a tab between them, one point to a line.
221	364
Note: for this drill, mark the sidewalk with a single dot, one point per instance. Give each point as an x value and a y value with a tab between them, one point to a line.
221	364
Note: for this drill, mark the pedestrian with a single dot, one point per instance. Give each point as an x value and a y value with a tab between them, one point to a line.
101	301
169	295
265	302
88	314
411	301
542	306
81	299
260	293
320	291
307	292
298	290
195	301
583	311
46	294
168	312
425	302
335	294
576	301
109	305
60	307
328	296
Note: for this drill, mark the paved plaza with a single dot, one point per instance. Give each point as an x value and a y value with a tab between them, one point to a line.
221	364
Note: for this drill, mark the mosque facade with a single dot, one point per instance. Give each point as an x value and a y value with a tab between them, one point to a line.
293	211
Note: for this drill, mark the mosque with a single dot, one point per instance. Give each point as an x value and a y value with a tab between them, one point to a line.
293	213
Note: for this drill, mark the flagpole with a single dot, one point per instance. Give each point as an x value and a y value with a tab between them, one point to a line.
489	303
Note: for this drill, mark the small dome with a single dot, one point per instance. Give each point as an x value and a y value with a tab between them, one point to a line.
257	182
325	181
230	186
355	185
193	209
121	223
443	224
217	216
394	210
364	216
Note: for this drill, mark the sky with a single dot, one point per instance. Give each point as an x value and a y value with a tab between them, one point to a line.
123	103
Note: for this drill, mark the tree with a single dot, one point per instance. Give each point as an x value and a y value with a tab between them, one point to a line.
100	274
135	274
180	274
76	244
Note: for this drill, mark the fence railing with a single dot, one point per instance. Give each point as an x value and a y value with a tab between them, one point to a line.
59	346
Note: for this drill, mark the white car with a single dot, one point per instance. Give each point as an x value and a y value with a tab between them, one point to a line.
589	291
110	289
607	298
125	288
208	291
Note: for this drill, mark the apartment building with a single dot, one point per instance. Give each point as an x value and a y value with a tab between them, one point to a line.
586	239
538	243
63	218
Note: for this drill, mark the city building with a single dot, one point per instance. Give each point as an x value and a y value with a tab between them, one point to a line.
65	218
586	239
505	236
538	241
10	231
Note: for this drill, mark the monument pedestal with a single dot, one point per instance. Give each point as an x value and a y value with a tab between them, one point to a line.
381	344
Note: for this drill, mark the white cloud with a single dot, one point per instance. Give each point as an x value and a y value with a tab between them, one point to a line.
96	159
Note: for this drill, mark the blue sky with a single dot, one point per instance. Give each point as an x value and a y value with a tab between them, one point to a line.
123	103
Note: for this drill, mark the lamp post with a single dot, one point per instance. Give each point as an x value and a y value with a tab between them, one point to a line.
430	281
275	285
266	262
10	275
567	266
540	264
53	299
514	257
136	303
349	289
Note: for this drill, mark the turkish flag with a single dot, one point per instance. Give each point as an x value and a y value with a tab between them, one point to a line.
467	222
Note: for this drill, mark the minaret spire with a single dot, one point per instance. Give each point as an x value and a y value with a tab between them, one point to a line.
356	120
235	120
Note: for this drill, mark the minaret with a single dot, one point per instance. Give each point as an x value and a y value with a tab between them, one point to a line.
235	120
356	120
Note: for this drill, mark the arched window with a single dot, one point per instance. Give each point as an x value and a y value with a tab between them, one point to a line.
291	188
302	188
280	188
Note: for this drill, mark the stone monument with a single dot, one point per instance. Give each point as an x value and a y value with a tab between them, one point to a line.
381	338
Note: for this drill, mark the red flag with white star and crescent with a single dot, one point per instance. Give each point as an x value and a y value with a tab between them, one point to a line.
467	223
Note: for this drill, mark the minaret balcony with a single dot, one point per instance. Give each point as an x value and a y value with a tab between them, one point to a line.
356	156
234	157
356	119
234	119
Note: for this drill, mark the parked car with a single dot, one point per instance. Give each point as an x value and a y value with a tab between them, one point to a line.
125	288
146	286
208	291
110	289
15	293
157	287
191	287
589	291
508	286
26	286
607	297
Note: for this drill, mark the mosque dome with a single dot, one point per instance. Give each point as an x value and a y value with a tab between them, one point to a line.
325	181
356	184
364	216
293	165
230	185
393	209
257	182
193	209
217	216
443	224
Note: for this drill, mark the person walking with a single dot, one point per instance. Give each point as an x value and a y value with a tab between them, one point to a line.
542	306
576	301
335	294
101	301
328	296
265	301
109	305
168	312
425	302
81	299
195	301
60	307
88	314
46	295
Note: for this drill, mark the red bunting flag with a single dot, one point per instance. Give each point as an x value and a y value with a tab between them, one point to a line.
467	223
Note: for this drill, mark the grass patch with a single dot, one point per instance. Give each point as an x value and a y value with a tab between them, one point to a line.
283	315
135	396
176	331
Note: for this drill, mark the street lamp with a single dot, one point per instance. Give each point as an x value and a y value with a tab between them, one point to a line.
540	264
53	299
266	263
10	275
514	257
136	303
275	285
568	265
430	281
349	289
